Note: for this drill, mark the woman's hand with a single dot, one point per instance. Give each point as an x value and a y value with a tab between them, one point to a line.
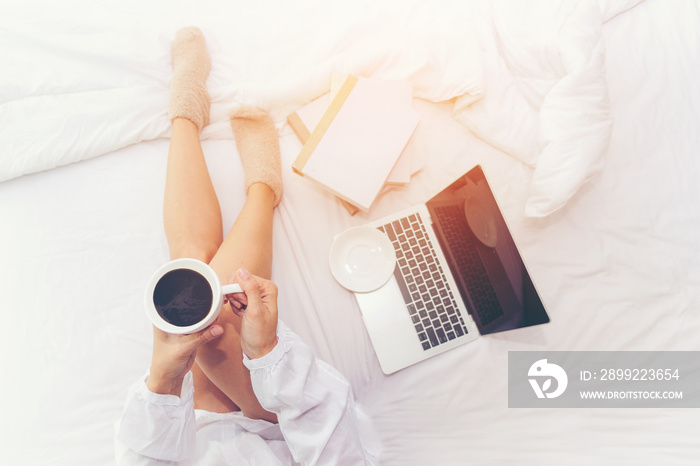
173	356
257	309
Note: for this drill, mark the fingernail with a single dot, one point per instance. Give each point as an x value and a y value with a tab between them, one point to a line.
216	331
243	273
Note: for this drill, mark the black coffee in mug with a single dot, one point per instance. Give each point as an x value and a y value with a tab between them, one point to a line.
183	297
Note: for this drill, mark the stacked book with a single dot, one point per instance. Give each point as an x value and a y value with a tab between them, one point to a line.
355	139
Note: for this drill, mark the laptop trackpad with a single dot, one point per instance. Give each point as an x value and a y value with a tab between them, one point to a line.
384	307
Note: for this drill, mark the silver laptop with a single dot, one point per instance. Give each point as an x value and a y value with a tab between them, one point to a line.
458	275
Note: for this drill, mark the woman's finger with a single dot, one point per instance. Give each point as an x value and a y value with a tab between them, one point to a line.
252	290
205	336
238	311
237	297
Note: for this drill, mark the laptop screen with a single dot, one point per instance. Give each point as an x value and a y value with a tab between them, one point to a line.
483	258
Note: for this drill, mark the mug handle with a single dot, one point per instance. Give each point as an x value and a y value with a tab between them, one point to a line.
230	289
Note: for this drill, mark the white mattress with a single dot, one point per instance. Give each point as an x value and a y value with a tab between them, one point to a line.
618	268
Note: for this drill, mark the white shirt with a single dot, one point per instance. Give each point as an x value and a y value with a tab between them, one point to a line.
318	420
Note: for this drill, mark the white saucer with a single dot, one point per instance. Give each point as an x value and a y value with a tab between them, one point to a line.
362	259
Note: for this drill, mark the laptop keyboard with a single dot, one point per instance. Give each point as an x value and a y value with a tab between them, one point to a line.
421	279
454	225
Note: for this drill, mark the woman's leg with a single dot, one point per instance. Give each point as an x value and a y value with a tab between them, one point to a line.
191	212
192	220
192	215
249	245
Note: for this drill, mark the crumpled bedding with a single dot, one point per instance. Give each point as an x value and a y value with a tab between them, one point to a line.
527	77
546	97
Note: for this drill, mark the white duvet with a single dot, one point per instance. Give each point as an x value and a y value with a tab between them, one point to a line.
83	79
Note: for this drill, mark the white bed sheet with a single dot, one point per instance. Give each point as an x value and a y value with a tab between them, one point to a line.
618	268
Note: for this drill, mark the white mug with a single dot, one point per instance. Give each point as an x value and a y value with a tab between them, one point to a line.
190	272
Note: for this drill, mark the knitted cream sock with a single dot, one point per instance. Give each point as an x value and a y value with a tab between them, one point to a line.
258	144
191	65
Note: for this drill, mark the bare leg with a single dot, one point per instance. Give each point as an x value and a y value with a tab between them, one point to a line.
192	216
192	219
191	212
193	227
249	244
